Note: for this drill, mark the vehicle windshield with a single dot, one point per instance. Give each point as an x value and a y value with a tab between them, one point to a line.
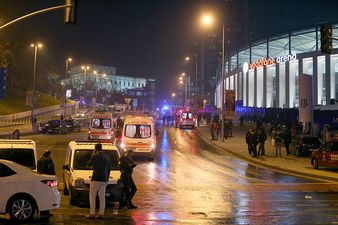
311	140
55	122
186	115
101	123
69	122
21	156
137	131
82	157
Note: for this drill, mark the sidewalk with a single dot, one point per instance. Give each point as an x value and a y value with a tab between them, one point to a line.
25	129
237	146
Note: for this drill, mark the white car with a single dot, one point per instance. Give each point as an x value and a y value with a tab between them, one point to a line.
77	172
24	191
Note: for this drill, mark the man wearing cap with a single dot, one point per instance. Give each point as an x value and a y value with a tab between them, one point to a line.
101	171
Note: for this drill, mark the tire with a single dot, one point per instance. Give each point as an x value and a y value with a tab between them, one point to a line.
21	209
314	163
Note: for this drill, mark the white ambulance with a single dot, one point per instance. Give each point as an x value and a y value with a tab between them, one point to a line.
100	126
139	135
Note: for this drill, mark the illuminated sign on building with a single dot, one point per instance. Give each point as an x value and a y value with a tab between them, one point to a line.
271	61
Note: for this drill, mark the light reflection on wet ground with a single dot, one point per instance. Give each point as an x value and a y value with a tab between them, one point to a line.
191	183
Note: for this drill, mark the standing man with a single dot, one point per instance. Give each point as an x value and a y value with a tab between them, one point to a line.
261	139
101	171
45	165
126	168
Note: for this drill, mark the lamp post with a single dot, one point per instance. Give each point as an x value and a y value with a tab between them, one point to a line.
187	58
68	60
35	46
95	73
208	20
85	68
172	98
184	82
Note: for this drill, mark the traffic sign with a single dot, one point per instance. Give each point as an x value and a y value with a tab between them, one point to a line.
127	100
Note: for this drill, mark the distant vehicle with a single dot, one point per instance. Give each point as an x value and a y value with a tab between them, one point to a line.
77	172
72	125
139	135
21	151
54	127
23	191
185	118
304	145
326	155
100	126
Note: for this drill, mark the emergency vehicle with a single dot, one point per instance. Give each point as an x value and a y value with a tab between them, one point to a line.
100	126
139	135
185	118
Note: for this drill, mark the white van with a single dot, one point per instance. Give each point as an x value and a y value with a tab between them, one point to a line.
139	135
22	152
77	172
100	126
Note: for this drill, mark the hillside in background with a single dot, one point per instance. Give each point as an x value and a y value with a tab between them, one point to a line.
15	102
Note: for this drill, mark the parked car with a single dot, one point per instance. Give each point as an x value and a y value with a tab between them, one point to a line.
21	151
72	125
77	171
304	145
23	191
326	155
54	127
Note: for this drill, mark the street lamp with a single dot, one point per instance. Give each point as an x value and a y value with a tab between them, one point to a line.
172	98
35	46
187	58
85	68
183	81
208	20
95	73
68	60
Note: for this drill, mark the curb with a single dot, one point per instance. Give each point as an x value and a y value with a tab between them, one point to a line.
266	165
6	136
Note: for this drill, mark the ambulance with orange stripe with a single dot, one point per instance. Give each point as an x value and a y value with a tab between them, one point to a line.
100	126
139	135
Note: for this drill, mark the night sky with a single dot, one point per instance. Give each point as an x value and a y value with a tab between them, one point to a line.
147	38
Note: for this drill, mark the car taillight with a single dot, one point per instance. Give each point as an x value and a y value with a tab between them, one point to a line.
50	183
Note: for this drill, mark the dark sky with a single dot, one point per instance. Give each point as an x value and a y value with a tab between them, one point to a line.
140	38
147	38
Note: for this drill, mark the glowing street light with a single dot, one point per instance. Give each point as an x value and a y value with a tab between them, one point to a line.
35	46
208	21
85	68
68	60
172	98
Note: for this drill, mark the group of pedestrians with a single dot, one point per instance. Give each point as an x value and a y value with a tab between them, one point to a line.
215	129
280	138
254	138
101	172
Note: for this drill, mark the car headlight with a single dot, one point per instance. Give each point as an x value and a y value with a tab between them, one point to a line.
80	183
122	145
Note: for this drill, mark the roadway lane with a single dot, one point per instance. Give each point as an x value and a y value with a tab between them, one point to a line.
191	183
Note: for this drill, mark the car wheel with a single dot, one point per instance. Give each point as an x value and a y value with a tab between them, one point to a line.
314	163
72	199
21	209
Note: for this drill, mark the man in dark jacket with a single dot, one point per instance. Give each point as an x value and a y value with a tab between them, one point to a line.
45	165
101	171
126	168
251	140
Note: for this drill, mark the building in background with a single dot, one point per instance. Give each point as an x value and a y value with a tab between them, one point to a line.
101	84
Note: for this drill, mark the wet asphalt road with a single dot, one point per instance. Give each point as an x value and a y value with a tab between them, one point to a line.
191	183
